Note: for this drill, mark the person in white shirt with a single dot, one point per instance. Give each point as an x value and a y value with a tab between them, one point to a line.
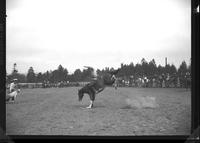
13	91
13	86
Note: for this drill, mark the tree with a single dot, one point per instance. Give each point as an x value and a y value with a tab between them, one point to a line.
182	69
143	61
65	74
39	77
167	69
173	69
131	69
60	74
21	77
14	68
152	67
54	76
144	67
47	75
86	75
15	71
138	70
15	74
160	70
77	75
31	75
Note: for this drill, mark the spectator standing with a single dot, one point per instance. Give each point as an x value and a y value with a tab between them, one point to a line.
13	85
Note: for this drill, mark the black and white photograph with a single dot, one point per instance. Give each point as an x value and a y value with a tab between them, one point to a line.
98	67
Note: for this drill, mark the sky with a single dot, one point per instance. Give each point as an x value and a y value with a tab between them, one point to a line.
98	33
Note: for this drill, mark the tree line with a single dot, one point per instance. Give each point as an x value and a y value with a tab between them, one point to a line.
143	68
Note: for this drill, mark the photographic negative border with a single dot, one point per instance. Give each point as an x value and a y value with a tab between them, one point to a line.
195	118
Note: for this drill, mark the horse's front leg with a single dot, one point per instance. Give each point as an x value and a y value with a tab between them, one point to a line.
91	104
92	98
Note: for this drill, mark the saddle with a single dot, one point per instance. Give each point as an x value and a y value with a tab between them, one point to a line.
94	87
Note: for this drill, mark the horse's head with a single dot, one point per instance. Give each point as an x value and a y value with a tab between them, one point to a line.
80	94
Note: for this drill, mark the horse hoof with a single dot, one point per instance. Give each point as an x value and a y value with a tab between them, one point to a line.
88	107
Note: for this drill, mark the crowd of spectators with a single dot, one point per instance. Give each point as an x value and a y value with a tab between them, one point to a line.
162	81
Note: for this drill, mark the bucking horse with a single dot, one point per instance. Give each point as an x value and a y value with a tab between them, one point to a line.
95	87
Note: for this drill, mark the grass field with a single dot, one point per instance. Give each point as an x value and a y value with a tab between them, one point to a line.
56	111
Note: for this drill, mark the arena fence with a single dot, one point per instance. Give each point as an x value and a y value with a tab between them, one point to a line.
30	85
50	85
75	84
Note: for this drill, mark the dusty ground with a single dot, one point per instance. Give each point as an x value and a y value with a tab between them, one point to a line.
56	111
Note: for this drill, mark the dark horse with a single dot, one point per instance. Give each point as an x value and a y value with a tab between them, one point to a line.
95	87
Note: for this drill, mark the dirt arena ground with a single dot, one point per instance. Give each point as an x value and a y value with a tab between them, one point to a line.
56	111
